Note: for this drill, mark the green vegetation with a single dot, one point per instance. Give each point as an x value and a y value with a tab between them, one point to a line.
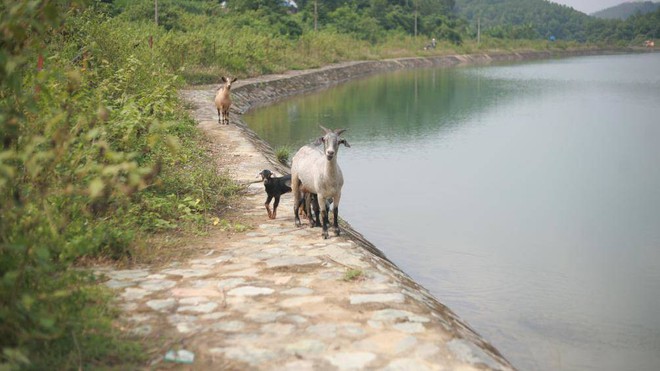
283	154
524	19
625	10
353	275
227	225
541	19
98	155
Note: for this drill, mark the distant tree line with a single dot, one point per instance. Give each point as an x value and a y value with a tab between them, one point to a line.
534	19
375	20
625	10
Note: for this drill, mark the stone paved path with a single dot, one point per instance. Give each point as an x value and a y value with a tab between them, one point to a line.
277	297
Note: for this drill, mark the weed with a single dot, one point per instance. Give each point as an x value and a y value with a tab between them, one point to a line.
353	275
227	225
283	154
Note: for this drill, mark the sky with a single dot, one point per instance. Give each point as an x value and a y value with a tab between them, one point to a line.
590	6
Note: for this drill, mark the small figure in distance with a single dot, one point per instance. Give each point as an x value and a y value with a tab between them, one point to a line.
431	45
223	100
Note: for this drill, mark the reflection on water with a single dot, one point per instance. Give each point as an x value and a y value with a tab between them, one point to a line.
526	197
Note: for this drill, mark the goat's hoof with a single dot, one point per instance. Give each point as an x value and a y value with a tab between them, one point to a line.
325	235
337	232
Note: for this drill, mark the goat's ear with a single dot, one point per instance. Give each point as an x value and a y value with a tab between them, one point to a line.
234	79
344	142
318	141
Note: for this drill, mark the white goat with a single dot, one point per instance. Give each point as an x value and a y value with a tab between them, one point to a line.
316	171
223	100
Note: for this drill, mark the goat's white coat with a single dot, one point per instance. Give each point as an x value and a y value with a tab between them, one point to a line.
318	174
316	171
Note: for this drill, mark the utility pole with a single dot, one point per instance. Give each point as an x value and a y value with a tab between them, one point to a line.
316	15
156	11
415	22
478	30
416	4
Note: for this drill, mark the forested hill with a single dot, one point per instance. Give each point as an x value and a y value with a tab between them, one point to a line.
524	18
625	10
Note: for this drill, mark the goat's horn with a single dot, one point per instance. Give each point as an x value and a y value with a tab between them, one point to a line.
325	129
339	131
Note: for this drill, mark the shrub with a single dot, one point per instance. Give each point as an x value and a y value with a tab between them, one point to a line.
96	152
283	154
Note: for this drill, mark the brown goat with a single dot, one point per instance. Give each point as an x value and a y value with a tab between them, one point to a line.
223	100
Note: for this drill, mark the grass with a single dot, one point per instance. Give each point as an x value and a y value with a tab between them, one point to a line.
353	275
283	154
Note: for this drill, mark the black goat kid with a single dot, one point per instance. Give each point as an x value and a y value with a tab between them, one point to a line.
275	187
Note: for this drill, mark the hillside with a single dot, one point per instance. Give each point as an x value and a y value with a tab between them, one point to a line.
524	18
625	10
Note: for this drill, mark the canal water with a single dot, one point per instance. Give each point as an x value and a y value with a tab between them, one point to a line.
526	197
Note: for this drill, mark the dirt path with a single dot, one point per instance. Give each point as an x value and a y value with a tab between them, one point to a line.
277	297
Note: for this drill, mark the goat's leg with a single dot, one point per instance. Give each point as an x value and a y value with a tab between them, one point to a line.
295	189
225	116
310	217
324	216
267	204
335	215
219	116
305	205
301	206
277	202
317	209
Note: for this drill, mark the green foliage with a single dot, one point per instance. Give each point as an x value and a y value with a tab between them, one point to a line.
353	275
347	19
283	154
227	225
627	9
525	19
533	19
96	152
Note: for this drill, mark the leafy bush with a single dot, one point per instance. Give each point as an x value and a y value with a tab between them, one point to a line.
96	152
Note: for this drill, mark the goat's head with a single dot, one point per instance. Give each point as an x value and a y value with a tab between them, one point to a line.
331	142
265	175
227	82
